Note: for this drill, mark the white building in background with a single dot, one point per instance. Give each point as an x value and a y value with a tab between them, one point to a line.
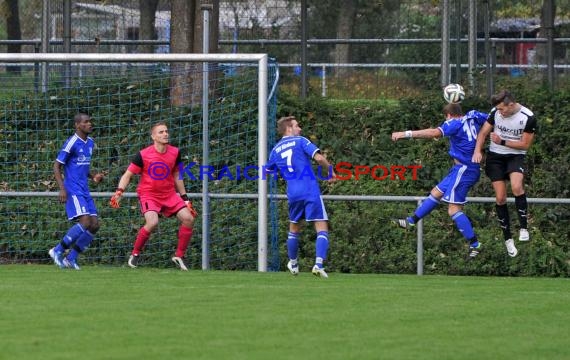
92	21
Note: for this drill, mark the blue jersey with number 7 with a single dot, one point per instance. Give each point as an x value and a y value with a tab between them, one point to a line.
292	158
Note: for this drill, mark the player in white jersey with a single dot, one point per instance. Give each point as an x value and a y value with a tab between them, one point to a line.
512	127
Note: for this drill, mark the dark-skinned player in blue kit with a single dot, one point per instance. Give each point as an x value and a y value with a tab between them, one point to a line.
75	160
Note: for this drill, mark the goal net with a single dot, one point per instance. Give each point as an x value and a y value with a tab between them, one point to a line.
220	111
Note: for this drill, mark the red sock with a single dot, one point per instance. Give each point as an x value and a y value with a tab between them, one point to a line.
184	236
142	237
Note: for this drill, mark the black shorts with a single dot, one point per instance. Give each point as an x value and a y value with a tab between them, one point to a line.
500	166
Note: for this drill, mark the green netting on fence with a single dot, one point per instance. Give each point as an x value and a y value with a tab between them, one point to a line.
123	101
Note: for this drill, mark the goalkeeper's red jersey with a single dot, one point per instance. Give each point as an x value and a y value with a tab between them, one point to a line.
156	170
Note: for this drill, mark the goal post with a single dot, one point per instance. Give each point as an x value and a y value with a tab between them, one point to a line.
45	91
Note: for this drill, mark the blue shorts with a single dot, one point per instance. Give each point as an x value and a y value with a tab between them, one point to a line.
311	209
458	182
79	205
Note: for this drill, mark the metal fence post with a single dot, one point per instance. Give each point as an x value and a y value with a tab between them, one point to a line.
420	245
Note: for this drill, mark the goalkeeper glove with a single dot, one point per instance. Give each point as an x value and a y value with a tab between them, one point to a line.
116	198
193	211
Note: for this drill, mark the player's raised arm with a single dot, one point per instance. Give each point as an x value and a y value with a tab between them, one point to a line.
419	134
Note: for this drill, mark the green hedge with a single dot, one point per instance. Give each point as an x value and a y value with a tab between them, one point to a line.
362	237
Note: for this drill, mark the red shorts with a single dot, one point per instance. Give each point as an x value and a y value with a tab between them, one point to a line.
166	207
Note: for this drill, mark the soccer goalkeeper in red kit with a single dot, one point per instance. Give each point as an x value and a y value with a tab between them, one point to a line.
160	191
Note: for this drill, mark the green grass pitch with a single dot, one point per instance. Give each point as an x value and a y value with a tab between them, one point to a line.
121	313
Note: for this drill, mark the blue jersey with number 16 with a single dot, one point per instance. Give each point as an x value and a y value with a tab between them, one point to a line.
462	133
292	157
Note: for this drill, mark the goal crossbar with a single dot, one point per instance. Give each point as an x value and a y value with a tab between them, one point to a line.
114	57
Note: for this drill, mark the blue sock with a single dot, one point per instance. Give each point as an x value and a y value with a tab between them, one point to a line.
80	245
425	208
322	247
292	245
72	235
463	225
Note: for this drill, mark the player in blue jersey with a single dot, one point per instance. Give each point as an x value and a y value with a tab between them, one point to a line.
292	159
75	160
462	132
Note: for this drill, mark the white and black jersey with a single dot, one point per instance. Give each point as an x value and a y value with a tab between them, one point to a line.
511	128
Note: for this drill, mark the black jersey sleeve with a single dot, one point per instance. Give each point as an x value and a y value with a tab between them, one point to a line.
178	158
137	160
531	125
491	118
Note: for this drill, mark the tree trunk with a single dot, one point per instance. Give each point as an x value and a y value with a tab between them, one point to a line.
147	21
346	16
186	36
181	36
14	33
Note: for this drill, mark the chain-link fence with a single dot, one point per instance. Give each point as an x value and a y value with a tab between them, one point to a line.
345	49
